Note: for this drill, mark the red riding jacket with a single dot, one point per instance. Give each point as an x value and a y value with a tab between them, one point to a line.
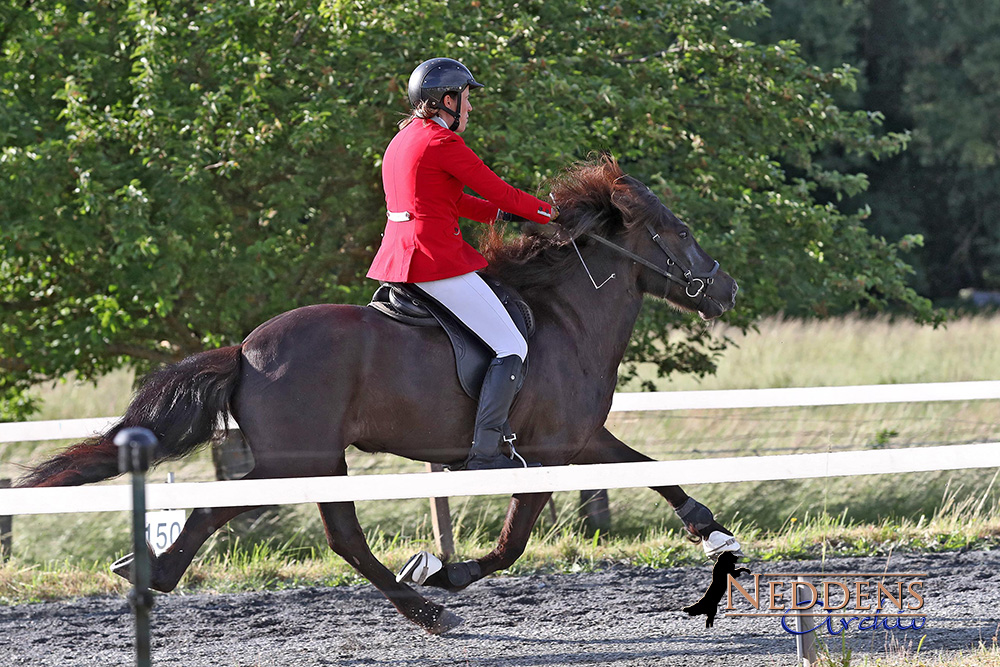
424	171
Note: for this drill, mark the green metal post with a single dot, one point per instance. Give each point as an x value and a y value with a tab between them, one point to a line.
135	451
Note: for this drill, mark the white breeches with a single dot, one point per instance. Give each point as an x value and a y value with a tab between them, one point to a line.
472	301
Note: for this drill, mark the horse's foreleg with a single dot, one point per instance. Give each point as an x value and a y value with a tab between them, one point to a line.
697	519
606	448
522	513
344	534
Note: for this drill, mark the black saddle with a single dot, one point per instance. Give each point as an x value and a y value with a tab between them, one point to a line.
408	304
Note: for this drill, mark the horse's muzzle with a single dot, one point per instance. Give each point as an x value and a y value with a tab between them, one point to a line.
720	297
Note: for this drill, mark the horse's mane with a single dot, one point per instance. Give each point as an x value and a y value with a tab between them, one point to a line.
592	197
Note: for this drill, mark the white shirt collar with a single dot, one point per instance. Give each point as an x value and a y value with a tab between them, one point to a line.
440	121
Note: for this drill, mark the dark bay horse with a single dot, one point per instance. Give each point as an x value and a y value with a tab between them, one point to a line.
311	382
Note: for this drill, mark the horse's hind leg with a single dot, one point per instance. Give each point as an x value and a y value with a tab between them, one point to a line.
170	566
522	514
345	536
698	520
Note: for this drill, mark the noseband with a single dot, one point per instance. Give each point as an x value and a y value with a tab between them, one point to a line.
693	283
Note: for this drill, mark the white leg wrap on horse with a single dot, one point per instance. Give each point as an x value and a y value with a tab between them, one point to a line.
419	568
718	542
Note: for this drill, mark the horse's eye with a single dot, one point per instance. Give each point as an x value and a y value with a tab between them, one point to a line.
683	235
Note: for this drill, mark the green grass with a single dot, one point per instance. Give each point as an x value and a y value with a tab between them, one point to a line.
830	653
985	655
807	518
233	563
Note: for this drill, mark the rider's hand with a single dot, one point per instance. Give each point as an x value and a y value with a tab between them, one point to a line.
531	228
504	216
548	231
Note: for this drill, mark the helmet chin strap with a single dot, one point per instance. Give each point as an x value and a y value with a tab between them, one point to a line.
456	114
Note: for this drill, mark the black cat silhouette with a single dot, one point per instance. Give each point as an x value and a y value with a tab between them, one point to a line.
709	602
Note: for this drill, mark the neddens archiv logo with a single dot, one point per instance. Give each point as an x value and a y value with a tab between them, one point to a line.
837	601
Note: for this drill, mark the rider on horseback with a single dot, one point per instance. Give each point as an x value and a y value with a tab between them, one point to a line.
424	171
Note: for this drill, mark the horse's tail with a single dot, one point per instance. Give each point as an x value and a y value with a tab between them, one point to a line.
181	404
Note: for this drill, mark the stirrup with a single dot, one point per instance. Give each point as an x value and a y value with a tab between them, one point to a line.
498	462
509	437
501	460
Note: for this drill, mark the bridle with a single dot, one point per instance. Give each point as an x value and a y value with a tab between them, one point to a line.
693	283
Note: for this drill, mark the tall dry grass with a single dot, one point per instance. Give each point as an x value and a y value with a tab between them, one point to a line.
852	351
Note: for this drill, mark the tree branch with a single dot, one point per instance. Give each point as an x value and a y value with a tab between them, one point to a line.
191	342
623	60
27	304
139	352
14	365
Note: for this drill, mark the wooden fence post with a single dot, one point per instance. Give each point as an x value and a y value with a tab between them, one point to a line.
595	511
441	520
805	641
6	529
232	459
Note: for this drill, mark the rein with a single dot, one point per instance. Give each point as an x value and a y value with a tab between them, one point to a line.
693	284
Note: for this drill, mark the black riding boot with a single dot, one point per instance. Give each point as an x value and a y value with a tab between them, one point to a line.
499	387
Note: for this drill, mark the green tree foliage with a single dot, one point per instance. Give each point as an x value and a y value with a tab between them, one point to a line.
175	173
933	68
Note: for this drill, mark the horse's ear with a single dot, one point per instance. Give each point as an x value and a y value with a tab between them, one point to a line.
623	197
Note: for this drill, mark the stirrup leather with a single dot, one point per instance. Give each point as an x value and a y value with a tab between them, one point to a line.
508	438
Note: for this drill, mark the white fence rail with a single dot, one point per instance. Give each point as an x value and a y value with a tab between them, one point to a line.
729	399
500	482
563	478
59	429
643	401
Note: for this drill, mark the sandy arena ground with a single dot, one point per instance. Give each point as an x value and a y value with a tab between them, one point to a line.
619	616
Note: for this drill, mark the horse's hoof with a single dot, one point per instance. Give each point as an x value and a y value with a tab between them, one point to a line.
123	567
445	621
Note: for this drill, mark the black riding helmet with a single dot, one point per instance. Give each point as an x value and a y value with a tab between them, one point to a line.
437	77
